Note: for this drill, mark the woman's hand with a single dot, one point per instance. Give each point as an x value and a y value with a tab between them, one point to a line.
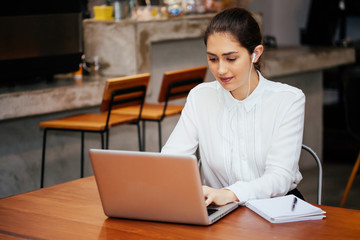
218	196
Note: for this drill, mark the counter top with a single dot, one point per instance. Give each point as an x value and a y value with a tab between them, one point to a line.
66	93
61	94
292	60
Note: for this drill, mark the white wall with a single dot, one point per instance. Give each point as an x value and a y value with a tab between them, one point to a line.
282	19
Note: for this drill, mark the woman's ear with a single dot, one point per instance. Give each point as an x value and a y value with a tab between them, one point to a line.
258	51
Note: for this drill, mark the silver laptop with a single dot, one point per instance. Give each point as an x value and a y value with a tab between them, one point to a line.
153	187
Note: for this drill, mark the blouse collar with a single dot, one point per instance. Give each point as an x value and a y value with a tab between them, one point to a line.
249	102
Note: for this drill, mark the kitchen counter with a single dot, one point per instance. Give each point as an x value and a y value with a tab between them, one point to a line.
61	94
299	59
66	93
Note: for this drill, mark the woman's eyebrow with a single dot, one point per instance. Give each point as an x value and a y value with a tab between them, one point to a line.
224	54
229	53
209	53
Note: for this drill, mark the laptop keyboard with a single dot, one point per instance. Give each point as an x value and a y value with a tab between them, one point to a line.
211	211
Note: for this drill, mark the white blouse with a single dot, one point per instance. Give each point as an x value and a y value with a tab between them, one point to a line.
251	147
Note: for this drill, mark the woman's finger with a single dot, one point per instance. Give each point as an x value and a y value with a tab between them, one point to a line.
208	200
207	195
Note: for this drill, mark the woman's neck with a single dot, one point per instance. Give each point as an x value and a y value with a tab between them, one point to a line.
246	91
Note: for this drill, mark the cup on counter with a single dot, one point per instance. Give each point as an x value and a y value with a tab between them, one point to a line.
103	12
121	9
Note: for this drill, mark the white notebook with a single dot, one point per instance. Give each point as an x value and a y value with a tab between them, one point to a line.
285	209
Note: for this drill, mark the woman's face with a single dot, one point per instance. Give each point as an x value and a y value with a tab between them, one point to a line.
229	62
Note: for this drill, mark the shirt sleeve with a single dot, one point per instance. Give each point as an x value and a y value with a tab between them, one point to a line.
281	164
184	138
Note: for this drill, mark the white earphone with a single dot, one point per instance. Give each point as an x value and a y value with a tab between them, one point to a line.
252	61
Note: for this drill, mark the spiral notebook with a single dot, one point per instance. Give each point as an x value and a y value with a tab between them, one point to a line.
285	209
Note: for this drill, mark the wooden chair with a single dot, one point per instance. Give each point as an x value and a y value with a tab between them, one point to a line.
350	181
175	85
118	92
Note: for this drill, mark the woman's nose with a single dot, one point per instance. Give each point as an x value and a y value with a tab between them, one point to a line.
222	68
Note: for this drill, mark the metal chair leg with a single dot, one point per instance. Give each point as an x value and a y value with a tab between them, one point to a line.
107	139
82	155
160	141
139	136
102	140
43	160
143	134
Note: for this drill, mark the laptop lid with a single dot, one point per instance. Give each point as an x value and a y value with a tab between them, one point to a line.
152	186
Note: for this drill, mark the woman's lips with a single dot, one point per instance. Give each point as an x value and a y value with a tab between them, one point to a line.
225	79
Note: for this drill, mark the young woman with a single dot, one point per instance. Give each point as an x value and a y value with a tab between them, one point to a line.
248	129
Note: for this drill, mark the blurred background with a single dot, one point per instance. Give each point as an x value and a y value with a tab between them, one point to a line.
44	44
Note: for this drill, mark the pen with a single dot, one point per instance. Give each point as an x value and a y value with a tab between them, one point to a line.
294	204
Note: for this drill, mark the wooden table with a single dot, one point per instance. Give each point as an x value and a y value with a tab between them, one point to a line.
73	211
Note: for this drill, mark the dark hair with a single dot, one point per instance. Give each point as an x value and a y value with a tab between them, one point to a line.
241	24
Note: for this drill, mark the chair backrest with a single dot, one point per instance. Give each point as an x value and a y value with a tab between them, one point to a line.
177	84
124	91
320	171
